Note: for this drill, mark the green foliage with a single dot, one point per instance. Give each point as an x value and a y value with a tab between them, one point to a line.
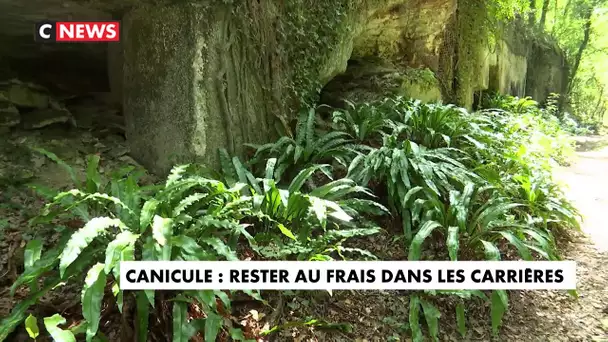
306	26
463	186
512	104
478	185
31	326
310	147
58	334
319	221
189	217
173	228
366	121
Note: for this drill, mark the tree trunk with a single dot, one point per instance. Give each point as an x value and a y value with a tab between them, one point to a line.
532	14
599	105
554	19
543	14
581	48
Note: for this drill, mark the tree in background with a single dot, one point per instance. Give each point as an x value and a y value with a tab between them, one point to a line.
543	14
577	26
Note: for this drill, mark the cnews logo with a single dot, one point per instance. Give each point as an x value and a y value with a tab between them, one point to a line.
78	31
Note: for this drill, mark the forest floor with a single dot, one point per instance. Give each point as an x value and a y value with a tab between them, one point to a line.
373	315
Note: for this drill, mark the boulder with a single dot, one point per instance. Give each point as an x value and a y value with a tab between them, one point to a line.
45	117
26	95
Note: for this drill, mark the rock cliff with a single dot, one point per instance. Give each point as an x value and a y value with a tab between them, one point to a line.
191	77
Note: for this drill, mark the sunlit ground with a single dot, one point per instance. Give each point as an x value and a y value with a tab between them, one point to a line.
587	187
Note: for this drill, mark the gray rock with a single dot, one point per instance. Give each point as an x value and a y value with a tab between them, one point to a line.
9	115
26	95
44	117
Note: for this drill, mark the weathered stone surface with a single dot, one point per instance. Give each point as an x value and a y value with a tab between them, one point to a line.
547	71
502	70
26	95
165	74
9	115
45	117
407	32
203	75
193	85
422	85
115	72
369	80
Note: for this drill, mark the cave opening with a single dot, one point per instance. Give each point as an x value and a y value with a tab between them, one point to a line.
57	85
365	79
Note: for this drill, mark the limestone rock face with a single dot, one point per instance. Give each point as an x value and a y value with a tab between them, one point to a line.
406	32
547	71
29	105
192	77
199	77
189	89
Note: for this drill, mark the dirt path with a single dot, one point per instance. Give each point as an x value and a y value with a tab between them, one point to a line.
555	316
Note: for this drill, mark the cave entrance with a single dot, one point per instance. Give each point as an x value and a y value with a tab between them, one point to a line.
56	84
52	85
364	80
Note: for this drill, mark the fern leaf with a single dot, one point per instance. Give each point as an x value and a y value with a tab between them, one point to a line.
147	213
176	174
416	245
270	165
453	243
286	231
491	251
58	334
52	156
500	304
162	230
414	318
213	323
461	319
524	252
187	202
220	247
182	331
363	206
32	252
93	176
83	237
227	167
143	315
116	247
431	315
310	130
319	209
92	295
298	181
